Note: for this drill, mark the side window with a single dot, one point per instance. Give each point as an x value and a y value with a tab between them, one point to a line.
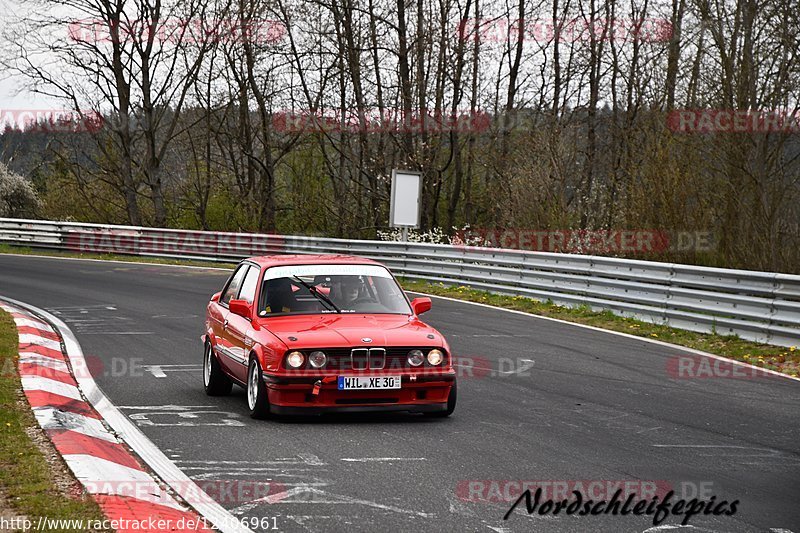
233	286
248	292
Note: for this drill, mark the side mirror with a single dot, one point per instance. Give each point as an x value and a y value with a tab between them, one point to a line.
215	296
241	308
421	305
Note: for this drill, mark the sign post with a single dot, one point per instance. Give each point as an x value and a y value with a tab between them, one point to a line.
405	208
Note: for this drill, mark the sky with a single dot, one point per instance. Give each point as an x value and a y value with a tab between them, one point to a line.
12	98
13	94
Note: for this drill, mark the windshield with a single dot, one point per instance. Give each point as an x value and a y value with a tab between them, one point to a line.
312	289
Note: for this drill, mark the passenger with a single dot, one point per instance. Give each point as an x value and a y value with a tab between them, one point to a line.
280	297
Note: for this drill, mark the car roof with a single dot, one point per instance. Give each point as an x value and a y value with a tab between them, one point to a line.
302	259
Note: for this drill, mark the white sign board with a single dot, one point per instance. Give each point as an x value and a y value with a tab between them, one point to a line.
406	191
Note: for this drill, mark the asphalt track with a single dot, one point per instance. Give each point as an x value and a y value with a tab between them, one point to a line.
559	403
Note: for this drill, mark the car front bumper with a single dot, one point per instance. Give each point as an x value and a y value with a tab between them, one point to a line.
315	395
383	408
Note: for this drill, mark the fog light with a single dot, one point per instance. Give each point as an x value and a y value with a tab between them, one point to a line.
317	359
435	357
415	357
295	359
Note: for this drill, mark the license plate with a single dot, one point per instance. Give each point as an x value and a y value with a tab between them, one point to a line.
368	382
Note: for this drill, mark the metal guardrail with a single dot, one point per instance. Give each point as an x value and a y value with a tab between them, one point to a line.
759	306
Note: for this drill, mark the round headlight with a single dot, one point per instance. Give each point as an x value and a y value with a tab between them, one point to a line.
435	357
295	359
415	357
317	359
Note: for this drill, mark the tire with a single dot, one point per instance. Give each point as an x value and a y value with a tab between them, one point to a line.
214	379
257	399
451	403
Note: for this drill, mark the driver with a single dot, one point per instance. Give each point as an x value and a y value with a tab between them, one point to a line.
348	291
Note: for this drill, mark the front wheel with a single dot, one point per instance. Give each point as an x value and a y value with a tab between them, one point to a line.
257	400
214	379
451	404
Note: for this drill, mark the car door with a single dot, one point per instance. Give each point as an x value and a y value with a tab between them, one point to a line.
238	327
227	358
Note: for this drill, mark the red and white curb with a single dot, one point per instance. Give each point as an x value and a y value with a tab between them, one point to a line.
93	436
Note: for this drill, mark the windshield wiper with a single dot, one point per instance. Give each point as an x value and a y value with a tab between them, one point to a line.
321	297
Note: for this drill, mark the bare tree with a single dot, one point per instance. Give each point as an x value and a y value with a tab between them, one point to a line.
133	63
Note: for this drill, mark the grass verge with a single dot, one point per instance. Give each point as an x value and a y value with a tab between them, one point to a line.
786	360
34	485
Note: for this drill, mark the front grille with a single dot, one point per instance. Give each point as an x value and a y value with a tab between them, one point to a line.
359	358
393	358
377	358
367	358
338	359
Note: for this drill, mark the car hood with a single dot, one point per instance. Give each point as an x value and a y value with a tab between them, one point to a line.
347	330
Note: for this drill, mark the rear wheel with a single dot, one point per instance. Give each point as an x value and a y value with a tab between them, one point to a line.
215	381
451	404
257	400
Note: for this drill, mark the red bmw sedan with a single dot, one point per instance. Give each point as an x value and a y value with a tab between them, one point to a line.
328	333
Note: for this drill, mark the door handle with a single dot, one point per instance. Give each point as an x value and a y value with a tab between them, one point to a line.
225	325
